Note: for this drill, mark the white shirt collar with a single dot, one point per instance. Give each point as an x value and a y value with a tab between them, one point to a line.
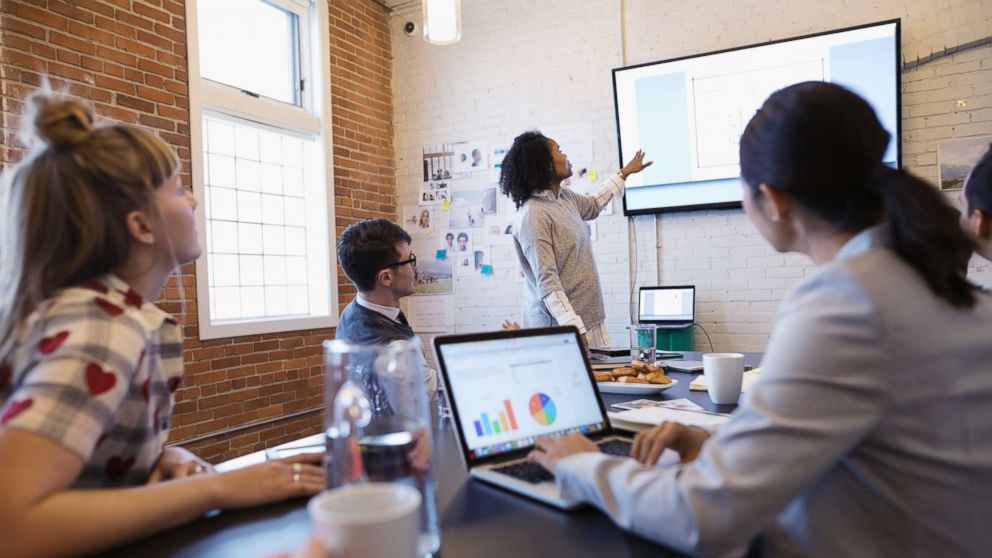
390	312
872	237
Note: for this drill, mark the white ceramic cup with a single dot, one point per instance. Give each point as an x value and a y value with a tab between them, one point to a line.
724	373
377	519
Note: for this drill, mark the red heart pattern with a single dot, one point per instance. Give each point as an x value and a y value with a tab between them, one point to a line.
144	390
16	408
96	286
109	307
174	383
131	298
6	372
48	345
99	381
117	466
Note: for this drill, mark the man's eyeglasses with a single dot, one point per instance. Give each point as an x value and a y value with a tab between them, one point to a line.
412	261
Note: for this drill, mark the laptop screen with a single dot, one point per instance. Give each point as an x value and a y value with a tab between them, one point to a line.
667	305
508	390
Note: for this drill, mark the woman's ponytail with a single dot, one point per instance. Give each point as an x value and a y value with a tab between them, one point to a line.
926	234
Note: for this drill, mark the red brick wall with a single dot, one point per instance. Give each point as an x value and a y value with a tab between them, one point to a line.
129	58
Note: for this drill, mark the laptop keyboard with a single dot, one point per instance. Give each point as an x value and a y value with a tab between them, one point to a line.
534	473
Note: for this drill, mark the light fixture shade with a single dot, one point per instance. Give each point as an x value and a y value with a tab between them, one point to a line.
442	21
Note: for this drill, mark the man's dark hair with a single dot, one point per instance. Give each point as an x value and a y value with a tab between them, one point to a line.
978	191
527	167
366	247
462	235
449	235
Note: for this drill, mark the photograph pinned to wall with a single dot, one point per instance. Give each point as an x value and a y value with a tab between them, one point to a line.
956	157
434	193
437	162
419	220
429	313
496	162
499	229
469	156
434	276
469	208
459	249
483	258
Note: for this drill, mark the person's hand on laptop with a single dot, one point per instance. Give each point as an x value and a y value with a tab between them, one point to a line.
549	450
687	441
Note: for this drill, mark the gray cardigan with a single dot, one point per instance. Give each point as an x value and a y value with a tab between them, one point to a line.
869	432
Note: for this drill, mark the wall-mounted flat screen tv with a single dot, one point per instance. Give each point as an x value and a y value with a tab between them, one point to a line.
688	113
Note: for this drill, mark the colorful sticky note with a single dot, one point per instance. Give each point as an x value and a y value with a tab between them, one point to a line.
487	270
442	254
593	175
446	205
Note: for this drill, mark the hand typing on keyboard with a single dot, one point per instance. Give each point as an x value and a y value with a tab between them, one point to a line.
548	451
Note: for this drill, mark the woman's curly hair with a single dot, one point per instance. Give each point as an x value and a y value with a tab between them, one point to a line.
527	167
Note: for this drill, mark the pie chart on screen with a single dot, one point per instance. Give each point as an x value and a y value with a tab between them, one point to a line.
542	408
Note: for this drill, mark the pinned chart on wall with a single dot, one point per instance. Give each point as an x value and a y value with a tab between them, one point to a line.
429	313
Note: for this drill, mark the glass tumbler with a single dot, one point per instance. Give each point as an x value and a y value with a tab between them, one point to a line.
642	342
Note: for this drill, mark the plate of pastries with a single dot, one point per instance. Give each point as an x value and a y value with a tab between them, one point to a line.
638	378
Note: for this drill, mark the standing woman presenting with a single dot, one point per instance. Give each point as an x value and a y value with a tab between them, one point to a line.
561	282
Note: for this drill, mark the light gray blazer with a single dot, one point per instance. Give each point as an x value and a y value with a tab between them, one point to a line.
869	432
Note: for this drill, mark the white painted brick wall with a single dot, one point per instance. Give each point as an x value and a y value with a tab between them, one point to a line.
527	63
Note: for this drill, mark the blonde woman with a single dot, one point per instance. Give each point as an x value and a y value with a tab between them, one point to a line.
95	221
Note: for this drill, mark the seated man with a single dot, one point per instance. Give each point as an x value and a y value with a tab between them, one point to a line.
976	196
375	255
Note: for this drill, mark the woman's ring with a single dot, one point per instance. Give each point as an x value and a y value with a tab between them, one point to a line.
297	469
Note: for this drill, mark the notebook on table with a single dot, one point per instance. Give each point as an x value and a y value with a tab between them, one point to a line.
507	388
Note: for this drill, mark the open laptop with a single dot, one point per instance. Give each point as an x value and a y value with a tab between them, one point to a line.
506	388
667	307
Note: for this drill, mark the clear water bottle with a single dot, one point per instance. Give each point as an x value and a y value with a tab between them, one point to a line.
377	422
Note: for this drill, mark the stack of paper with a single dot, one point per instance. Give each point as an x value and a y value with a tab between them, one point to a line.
641	419
751	376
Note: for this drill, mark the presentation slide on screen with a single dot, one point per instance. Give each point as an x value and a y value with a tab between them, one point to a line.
513	389
666	304
688	115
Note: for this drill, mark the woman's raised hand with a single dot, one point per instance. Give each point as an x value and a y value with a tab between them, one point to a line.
635	165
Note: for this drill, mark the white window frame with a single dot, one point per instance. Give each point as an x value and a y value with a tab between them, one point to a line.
313	118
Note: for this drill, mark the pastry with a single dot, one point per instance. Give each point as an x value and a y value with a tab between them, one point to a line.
625	371
603	377
631	380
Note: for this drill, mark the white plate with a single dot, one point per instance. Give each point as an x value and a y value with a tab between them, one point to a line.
634	389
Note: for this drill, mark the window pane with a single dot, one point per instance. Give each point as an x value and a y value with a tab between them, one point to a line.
275	301
251	45
253	302
250	239
275	270
251	270
249	207
225	237
273	240
272	210
223	203
298	303
226	270
228	302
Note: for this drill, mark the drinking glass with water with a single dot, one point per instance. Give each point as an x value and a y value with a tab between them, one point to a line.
377	422
643	342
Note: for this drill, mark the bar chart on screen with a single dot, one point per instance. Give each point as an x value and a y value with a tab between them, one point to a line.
501	421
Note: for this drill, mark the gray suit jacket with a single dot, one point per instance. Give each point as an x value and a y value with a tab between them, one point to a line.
869	432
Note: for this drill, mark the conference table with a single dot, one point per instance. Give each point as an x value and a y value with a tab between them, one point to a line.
477	520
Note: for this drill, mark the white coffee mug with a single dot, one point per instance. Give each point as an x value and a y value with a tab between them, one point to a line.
724	373
372	519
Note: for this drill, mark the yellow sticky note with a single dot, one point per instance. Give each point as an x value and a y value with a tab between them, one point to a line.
445	205
593	175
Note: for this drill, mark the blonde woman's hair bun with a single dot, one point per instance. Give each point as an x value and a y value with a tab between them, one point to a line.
57	120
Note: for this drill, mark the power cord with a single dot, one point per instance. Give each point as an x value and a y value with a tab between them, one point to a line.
708	340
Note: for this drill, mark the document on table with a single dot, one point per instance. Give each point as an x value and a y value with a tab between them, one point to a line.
637	420
751	376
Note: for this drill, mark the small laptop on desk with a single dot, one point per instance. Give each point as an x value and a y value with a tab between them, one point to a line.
507	388
667	307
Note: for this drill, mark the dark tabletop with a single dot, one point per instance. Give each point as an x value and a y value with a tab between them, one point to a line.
477	520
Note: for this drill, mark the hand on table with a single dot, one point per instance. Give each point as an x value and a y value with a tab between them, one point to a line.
176	463
510	326
550	450
313	549
272	481
635	165
687	441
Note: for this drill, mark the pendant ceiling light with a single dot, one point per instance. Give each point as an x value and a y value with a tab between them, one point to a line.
442	21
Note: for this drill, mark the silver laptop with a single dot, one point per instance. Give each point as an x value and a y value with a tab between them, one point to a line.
667	307
507	388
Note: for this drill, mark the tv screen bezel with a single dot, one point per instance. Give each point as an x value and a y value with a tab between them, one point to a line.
737	204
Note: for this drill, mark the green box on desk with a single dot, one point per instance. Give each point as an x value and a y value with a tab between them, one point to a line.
675	339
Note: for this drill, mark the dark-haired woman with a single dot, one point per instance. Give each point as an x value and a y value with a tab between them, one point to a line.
870	432
561	284
976	197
